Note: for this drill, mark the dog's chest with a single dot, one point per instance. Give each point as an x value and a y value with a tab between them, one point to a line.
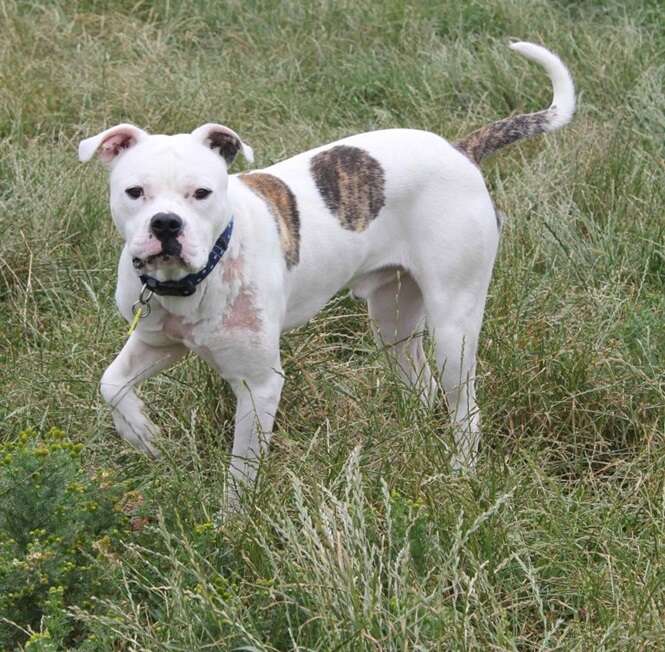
226	318
176	328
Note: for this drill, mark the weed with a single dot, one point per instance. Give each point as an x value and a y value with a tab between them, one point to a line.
58	531
357	536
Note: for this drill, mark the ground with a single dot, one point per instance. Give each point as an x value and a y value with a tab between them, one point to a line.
358	536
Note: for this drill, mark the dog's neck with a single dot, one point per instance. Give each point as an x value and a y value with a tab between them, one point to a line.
214	294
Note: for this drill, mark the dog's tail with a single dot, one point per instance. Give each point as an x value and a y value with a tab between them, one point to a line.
488	139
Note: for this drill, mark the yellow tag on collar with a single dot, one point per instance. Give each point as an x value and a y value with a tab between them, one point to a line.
138	313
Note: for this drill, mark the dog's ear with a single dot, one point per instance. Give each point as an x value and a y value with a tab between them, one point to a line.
226	140
111	143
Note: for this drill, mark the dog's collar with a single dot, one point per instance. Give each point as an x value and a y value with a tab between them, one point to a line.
186	286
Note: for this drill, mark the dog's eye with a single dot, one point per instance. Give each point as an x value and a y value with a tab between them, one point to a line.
135	192
202	193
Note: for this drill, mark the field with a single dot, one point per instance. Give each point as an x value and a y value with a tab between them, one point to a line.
358	535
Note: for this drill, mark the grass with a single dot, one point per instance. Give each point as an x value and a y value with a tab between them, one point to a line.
358	537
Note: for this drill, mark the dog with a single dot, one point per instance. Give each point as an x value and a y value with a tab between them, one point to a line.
222	264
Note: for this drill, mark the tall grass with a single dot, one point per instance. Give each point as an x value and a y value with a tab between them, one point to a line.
358	537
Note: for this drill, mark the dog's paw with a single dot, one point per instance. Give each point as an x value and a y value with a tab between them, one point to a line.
139	432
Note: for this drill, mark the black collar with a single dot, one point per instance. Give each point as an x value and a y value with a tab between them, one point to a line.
186	286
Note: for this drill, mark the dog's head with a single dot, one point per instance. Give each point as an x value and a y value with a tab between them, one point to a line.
168	193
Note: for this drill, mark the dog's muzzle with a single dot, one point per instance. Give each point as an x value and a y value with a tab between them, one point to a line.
166	227
186	286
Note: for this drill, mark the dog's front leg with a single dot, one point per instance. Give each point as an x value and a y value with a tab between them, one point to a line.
257	402
136	362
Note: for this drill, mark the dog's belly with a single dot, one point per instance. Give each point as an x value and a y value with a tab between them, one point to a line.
303	306
332	260
299	312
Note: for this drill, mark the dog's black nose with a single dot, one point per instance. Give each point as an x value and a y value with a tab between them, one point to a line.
166	225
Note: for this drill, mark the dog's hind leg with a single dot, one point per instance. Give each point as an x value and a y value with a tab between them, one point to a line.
136	362
454	322
397	316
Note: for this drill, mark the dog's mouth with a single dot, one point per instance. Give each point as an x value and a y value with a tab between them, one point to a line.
171	254
167	259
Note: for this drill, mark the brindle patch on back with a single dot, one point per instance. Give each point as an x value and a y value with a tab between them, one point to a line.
284	208
488	139
352	184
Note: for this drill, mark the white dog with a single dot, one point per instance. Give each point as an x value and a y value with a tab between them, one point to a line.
222	265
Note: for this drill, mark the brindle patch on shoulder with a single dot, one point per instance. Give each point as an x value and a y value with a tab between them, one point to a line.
283	207
352	184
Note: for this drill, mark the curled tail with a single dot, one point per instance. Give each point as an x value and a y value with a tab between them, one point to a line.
488	139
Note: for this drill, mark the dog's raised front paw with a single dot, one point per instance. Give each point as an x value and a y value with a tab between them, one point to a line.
140	433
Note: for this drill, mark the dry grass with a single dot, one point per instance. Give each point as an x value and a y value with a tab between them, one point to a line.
358	537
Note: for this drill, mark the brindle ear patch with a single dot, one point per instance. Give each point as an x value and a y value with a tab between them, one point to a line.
352	184
227	144
283	207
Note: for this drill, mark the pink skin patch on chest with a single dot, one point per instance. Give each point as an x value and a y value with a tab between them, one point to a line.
233	269
242	312
175	327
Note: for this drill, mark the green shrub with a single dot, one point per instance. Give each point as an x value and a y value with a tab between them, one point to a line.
58	531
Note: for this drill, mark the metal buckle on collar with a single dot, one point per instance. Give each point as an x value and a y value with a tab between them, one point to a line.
141	308
143	302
